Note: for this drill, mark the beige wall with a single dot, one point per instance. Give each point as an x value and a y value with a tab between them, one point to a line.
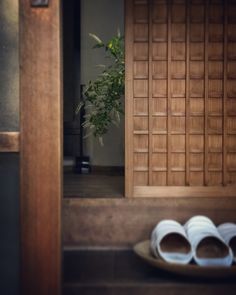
102	19
9	66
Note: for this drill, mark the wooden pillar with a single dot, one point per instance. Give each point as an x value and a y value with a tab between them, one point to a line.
41	148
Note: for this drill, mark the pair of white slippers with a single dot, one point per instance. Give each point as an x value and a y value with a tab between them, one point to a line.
199	239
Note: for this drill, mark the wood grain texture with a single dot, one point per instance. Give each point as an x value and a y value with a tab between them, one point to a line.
183	191
184	109
9	142
224	104
150	96
169	36
148	288
128	99
187	100
125	273
206	97
41	148
93	185
124	222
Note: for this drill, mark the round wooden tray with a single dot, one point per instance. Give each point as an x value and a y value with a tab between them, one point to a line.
142	249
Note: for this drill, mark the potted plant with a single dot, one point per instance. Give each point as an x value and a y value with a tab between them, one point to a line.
103	96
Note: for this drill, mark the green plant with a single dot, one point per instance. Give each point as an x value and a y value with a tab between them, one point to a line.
103	97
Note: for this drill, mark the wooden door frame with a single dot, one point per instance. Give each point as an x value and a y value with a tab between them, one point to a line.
40	147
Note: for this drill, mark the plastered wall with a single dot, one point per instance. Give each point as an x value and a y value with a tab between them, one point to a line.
102	19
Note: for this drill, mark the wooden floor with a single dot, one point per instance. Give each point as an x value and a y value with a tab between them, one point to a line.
94	185
121	272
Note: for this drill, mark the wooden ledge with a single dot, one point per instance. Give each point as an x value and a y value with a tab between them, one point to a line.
184	191
113	272
9	142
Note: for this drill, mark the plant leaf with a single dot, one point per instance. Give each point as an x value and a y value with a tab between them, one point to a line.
96	38
80	105
103	97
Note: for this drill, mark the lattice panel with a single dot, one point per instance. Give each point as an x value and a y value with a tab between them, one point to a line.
184	93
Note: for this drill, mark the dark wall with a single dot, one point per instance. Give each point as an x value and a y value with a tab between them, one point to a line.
69	59
71	87
9	224
9	163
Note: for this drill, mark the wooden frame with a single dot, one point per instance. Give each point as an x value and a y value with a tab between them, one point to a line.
9	142
180	98
183	192
128	99
40	148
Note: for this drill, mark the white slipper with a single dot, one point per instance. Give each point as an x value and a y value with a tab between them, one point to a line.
169	241
228	233
209	248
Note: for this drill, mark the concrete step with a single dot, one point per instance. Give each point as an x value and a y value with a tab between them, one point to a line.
122	222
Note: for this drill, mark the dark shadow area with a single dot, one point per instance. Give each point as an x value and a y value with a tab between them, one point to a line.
9	224
120	271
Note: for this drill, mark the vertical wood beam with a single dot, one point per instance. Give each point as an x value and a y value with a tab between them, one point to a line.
224	103
41	148
206	96
150	94
187	101
129	98
169	94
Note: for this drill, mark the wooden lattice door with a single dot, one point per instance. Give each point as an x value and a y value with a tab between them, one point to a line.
180	98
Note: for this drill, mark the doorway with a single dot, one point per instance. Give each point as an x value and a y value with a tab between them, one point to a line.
91	169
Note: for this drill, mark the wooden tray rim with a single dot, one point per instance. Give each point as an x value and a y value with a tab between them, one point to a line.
142	249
